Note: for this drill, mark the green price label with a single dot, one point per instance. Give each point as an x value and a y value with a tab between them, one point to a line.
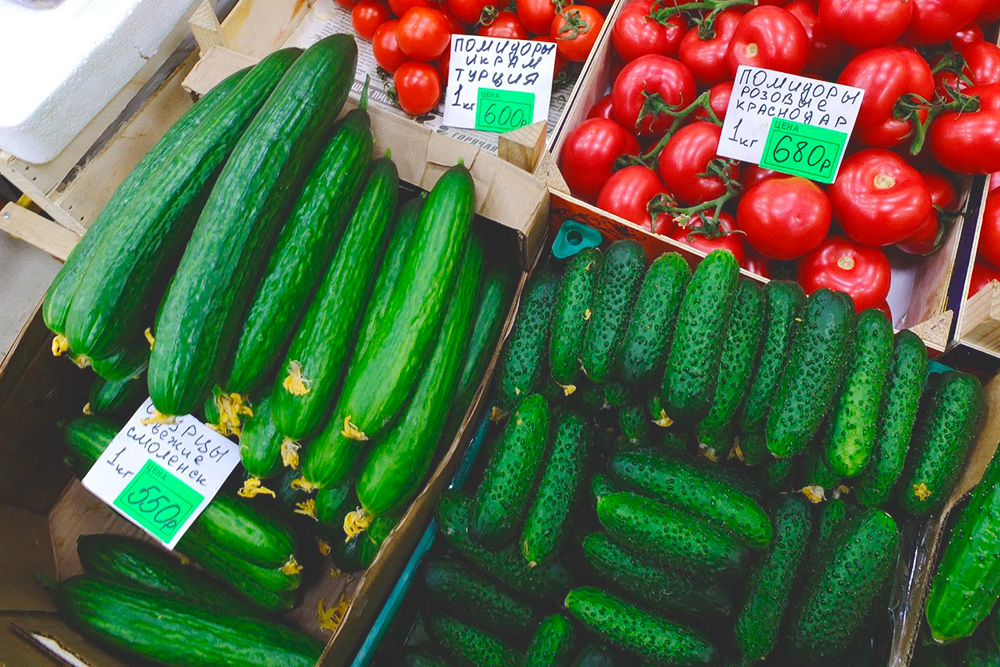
158	501
803	150
503	110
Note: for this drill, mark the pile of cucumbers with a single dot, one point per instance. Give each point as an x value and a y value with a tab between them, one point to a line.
692	469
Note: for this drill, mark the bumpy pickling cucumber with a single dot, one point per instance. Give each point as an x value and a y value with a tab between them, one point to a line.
522	363
572	312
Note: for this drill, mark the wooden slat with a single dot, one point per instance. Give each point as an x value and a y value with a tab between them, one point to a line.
522	147
37	230
981	318
206	28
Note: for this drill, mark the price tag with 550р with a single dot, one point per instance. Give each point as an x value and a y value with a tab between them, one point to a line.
161	474
792	124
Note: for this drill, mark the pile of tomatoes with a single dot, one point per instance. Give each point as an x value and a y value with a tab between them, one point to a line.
411	38
987	262
931	111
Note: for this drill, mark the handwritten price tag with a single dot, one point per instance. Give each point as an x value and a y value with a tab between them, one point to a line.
803	150
503	110
158	501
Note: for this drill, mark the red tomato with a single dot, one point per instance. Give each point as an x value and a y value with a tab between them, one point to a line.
929	237
505	25
838	264
602	109
589	153
969	142
418	87
827	54
887	74
399	7
878	198
934	21
387	53
628	193
769	37
967	35
635	34
784	217
347	4
442	66
757	263
865	24
706	58
989	233
982	62
651	74
456	26
468	11
991	11
982	275
686	156
752	174
734	243
994	180
423	34
367	16
718	99
575	30
536	15
941	189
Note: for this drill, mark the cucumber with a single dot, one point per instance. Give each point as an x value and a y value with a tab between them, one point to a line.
775	473
456	589
852	422
816	472
739	355
845	585
413	658
522	362
305	247
126	362
552	643
784	303
650	327
469	646
260	442
397	465
812	375
662	589
108	396
941	442
897	414
693	363
204	304
492	305
635	425
669	536
600	486
598	397
753	447
313	367
831	514
502	498
771	582
645	635
152	627
573	310
334	502
697	491
558	490
980	651
86	438
618	285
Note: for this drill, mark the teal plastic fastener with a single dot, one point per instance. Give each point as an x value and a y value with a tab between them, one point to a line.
574	237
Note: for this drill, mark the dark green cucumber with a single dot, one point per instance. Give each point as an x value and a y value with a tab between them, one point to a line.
126	362
314	366
460	591
669	536
645	635
260	442
573	311
502	498
558	489
522	362
413	658
655	587
597	397
600	486
980	651
196	326
152	627
469	646
941	442
852	421
841	592
492	305
784	303
86	438
305	246
334	502
811	377
635	425
375	535
776	472
693	363
815	471
108	396
506	565
143	244
552	643
695	490
831	514
650	327
739	355
753	448
617	286
771	582
897	414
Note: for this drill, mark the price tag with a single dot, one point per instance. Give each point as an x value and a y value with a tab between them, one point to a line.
498	85
803	150
161	476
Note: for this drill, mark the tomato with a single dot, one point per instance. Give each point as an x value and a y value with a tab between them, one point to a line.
628	192
367	16
865	24
929	235
686	157
827	54
505	25
982	66
706	58
400	7
968	35
387	53
418	87
423	34
455	26
536	15
934	21
757	264
991	11
589	153
982	275
994	181
468	11
718	99
651	74
887	74
941	189
769	37
989	233
752	174
347	4
969	142
575	30
560	63
732	242
635	34
442	66
602	108
784	217
839	264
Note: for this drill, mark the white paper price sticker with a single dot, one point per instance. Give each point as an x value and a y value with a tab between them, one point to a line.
498	84
789	123
162	476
